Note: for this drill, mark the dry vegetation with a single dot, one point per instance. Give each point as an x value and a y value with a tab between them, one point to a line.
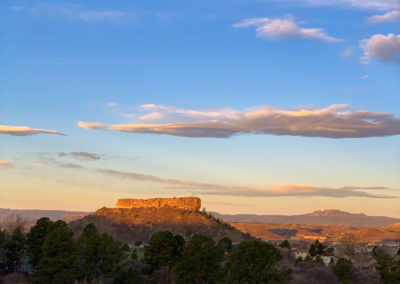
132	225
334	233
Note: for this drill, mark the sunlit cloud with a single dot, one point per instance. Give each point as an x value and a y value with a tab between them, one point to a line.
82	156
284	28
392	16
5	164
25	130
278	190
385	48
335	121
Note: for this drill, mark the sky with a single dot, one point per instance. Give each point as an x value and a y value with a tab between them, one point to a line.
264	107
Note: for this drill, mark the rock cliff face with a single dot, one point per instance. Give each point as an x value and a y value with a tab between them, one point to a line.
185	203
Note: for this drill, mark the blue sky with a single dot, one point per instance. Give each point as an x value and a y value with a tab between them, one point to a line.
201	62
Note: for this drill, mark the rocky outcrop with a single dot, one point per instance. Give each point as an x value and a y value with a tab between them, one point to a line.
185	203
146	217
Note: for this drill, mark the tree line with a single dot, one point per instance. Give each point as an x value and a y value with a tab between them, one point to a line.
55	255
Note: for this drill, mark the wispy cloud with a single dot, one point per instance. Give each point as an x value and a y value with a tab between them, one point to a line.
68	165
82	156
385	48
76	12
392	16
279	190
347	53
284	28
361	4
5	164
25	130
335	121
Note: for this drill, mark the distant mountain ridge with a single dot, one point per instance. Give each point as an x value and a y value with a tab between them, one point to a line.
31	215
332	217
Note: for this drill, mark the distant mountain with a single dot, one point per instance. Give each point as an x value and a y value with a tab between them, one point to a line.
320	217
31	215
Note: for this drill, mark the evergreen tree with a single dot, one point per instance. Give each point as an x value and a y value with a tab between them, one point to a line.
58	263
36	238
3	242
99	255
163	249
344	270
285	244
312	251
14	249
389	269
126	276
253	262
200	261
226	244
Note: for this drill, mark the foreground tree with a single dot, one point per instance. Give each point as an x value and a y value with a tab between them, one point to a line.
344	270
163	249
226	244
253	262
14	249
200	261
389	269
317	248
36	238
99	255
285	244
3	242
58	263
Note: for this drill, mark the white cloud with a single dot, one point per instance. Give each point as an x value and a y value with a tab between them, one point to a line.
392	16
365	77
75	12
335	121
284	28
386	48
347	53
277	190
5	164
24	130
362	4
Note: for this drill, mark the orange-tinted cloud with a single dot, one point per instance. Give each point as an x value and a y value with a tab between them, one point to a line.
25	130
279	190
5	164
284	28
335	121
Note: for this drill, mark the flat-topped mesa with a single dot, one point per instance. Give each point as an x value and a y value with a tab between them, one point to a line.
186	203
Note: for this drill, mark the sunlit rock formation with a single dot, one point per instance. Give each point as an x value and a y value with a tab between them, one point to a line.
185	203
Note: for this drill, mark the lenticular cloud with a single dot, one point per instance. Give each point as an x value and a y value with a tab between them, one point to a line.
335	121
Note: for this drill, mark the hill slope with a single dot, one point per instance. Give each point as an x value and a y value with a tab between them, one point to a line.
333	233
320	217
138	224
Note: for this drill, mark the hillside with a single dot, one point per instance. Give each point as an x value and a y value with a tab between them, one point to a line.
333	233
138	224
319	217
